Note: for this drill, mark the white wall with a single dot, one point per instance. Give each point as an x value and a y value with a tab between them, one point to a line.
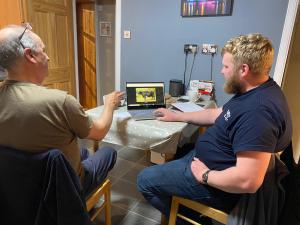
291	84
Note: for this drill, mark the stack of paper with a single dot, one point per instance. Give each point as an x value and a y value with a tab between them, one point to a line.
187	106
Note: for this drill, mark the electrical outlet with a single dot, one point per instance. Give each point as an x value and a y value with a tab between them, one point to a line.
127	34
209	49
190	48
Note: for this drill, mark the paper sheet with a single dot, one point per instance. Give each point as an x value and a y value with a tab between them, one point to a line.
187	106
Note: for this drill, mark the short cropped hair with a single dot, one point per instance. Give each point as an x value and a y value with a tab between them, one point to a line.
254	50
11	49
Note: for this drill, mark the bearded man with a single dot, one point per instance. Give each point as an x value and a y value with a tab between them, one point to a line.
232	156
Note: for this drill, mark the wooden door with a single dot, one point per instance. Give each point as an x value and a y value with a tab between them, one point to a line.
10	12
52	20
87	54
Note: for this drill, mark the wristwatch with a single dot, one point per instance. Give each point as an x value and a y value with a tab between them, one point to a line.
205	176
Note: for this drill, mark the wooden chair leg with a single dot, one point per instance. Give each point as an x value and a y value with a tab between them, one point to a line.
104	192
173	212
107	208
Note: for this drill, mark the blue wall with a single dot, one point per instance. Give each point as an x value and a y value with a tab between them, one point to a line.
158	34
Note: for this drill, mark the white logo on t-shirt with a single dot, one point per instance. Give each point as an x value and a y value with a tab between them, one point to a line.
227	115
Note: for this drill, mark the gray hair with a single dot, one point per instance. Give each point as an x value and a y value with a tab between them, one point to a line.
11	50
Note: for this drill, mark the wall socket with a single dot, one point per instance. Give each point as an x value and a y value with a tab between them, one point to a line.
209	49
190	48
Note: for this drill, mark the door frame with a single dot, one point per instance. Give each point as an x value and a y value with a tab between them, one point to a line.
75	50
285	42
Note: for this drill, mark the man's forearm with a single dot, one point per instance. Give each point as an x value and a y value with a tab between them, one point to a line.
205	117
104	121
231	181
245	177
102	124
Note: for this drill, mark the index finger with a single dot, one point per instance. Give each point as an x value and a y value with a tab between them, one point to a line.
120	93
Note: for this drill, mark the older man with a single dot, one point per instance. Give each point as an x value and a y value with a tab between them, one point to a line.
34	118
233	155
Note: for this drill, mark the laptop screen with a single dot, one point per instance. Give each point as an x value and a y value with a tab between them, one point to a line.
145	95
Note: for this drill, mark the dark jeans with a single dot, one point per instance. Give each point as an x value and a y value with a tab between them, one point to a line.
160	182
96	167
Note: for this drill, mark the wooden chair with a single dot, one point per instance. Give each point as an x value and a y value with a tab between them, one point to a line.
102	191
210	212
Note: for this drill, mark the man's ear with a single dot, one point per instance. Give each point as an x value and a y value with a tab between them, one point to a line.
29	55
244	69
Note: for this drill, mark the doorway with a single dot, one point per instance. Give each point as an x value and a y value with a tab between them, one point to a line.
105	29
96	50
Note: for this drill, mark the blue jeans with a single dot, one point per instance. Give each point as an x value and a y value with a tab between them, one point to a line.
160	182
96	167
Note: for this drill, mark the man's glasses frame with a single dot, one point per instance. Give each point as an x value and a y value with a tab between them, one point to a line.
26	26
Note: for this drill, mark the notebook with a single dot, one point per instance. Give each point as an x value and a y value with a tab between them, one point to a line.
144	98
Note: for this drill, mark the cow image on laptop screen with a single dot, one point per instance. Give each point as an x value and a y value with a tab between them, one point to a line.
144	98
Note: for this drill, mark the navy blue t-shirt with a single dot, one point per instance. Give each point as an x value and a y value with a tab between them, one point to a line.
258	120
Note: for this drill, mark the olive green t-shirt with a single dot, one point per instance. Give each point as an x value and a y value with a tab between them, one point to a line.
36	119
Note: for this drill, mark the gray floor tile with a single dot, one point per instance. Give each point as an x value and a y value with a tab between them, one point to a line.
145	209
121	168
117	215
131	154
131	175
125	195
145	161
127	204
135	219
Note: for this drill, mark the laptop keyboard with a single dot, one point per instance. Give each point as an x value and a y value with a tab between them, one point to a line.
142	111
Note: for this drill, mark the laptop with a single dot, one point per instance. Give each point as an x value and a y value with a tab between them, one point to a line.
144	98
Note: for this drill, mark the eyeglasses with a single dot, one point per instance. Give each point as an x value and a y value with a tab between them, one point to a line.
27	27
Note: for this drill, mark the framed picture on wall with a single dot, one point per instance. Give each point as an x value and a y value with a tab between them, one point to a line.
191	8
105	29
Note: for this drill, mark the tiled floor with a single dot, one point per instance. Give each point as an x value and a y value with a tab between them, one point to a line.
128	205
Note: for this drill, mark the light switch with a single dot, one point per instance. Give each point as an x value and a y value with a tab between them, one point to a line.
127	34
